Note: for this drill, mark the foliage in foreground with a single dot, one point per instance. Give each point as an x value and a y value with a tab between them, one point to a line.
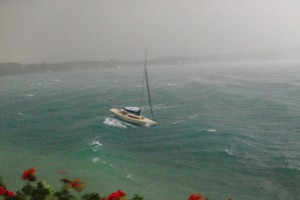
35	189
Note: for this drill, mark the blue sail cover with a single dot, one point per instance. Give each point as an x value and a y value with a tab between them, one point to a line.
134	110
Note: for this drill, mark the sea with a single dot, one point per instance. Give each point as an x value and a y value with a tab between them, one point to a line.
225	130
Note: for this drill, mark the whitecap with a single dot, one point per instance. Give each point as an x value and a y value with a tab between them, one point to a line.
229	152
193	116
96	159
211	130
177	122
128	124
21	114
30	95
96	143
114	122
129	176
148	124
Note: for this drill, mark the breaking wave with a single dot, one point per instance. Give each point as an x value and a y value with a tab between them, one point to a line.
96	144
117	123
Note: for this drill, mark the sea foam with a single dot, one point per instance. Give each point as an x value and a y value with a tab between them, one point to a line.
117	123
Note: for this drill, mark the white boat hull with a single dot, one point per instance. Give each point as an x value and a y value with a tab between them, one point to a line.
130	117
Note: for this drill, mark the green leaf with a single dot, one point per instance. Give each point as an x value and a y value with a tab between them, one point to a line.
137	197
28	189
91	196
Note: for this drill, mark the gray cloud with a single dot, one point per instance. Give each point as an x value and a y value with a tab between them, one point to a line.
70	30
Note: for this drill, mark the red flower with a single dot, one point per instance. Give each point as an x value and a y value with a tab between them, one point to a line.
196	197
5	192
2	190
116	195
9	193
77	184
29	174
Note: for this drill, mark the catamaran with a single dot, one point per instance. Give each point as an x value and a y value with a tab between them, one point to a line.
133	114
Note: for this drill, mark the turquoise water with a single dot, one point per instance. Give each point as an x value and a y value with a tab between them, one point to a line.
225	130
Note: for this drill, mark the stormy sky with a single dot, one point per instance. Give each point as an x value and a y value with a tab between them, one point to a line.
34	31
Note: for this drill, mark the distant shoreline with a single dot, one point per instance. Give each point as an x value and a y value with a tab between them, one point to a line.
15	68
7	69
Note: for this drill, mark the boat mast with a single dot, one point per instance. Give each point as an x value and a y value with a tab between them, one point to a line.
142	94
147	81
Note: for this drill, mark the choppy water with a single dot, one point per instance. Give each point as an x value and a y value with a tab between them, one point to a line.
229	130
